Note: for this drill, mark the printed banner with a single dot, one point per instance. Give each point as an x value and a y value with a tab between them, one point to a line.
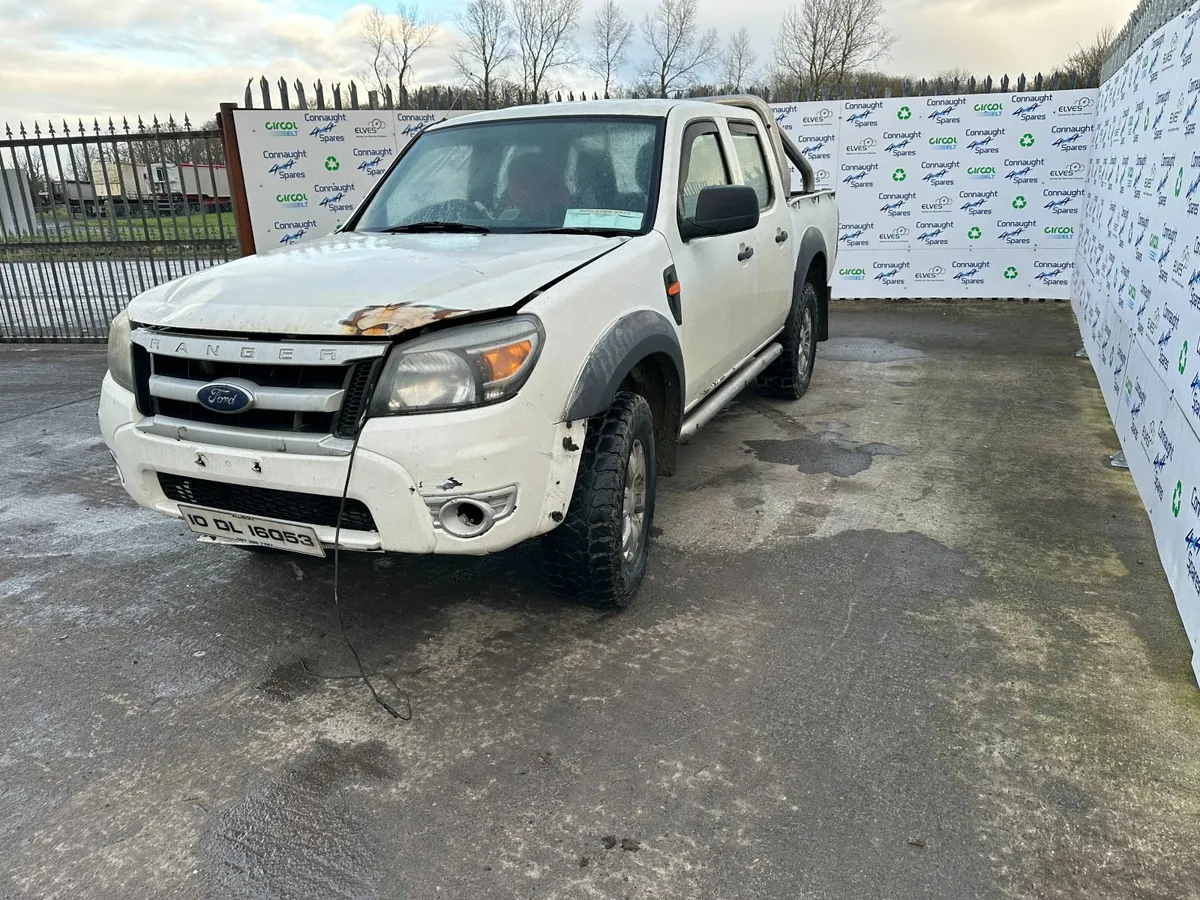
307	170
938	186
1137	273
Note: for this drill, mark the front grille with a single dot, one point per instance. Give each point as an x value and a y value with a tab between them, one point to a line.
303	389
269	419
291	506
358	386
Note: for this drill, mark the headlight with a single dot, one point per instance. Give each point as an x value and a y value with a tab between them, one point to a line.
466	366
120	351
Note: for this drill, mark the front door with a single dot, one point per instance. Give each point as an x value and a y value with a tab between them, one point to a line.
717	275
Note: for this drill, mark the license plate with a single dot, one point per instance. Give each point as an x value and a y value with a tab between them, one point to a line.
243	529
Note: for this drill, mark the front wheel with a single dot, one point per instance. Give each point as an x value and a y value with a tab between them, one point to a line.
597	556
788	376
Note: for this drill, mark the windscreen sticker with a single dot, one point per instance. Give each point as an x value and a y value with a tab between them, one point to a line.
602	218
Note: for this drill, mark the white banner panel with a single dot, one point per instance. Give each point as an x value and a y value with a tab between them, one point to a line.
1137	268
306	170
997	179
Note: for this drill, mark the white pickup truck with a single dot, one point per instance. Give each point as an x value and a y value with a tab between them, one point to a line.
509	338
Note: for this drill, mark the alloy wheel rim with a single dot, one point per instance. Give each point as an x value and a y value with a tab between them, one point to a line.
805	348
633	506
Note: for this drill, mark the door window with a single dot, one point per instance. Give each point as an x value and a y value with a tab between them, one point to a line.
703	165
749	150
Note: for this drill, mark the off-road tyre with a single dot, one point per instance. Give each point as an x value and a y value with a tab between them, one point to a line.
584	557
788	376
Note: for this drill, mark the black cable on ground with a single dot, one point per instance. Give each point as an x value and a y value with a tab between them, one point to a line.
362	672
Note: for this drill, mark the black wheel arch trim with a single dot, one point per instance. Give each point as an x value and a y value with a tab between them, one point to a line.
813	245
627	342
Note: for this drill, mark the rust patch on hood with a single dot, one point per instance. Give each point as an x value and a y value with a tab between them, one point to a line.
392	319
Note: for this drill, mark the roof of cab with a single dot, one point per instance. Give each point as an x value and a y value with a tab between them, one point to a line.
652	108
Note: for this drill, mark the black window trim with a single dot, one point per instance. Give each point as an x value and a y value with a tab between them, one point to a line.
694	129
744	127
660	132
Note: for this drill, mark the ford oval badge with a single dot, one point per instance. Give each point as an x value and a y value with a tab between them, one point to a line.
223	397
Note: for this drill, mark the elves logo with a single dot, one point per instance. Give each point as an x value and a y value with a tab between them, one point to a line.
941	203
936	273
374	128
866	145
894	237
822	116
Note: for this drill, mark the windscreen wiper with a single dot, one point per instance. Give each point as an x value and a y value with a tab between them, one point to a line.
598	232
450	227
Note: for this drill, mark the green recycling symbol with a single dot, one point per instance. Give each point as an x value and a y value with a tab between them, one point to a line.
974	234
1177	498
1179	182
899	175
1027	140
1011	272
903	113
332	164
1183	358
1018	203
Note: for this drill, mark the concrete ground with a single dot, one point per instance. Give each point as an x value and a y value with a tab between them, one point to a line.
906	638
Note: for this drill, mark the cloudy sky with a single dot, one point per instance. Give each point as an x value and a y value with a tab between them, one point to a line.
71	58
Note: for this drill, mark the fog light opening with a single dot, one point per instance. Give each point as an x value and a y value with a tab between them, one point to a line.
466	518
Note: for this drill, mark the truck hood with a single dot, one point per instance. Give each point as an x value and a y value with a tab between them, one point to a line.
366	284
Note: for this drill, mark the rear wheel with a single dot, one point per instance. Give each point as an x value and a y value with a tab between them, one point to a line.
598	555
788	376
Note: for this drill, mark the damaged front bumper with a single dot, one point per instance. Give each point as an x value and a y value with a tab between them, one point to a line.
405	470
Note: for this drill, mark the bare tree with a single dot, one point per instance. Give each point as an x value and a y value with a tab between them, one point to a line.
610	43
376	33
413	33
738	60
824	41
961	74
487	46
393	41
803	53
860	35
545	32
679	52
1087	60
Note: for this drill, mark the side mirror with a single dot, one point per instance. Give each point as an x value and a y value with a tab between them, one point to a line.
722	209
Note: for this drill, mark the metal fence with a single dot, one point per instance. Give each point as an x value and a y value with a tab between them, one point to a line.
1148	17
281	95
90	217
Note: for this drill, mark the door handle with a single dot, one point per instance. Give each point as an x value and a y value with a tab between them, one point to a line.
780	236
746	253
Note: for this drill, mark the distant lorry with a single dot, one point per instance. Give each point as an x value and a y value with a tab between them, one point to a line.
157	188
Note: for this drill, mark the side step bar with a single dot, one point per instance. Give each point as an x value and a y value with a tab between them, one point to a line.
716	401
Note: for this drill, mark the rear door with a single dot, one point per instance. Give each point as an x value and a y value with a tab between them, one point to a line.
775	247
717	276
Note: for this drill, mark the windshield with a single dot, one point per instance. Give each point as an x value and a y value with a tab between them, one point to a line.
589	174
